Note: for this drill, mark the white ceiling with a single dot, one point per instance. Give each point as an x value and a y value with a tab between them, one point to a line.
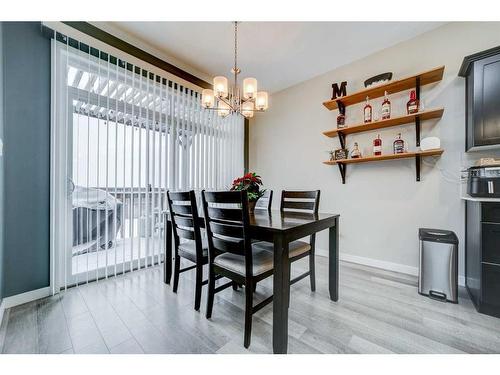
278	54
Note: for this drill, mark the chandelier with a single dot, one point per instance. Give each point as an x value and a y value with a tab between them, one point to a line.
227	99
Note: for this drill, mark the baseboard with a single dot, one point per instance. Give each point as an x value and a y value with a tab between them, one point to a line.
388	266
19	299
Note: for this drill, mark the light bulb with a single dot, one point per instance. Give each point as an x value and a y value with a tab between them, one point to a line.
220	87
247	109
249	88
207	98
262	101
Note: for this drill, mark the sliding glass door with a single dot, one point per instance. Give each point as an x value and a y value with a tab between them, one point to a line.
122	136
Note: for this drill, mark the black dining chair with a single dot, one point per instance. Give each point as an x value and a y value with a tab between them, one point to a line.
302	201
188	241
299	201
265	202
231	252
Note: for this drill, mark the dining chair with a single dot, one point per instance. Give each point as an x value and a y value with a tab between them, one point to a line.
231	253
265	202
188	241
302	201
299	201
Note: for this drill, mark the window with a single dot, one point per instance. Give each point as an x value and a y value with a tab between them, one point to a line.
122	136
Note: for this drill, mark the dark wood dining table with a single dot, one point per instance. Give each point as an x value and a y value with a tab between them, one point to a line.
281	228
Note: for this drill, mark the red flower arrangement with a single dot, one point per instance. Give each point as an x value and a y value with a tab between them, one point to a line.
251	183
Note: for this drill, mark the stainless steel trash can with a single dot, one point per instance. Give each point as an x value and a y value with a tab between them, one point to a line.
438	271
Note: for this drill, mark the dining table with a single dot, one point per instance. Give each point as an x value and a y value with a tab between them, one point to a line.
280	228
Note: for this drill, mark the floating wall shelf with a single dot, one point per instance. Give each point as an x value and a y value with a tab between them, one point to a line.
417	154
415	81
422	79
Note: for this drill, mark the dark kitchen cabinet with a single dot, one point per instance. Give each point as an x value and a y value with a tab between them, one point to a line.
482	256
482	99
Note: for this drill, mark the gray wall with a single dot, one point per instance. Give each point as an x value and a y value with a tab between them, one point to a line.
26	177
381	205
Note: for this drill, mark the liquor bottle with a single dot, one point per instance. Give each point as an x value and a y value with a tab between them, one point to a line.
377	146
341	118
386	107
399	145
367	111
355	153
413	105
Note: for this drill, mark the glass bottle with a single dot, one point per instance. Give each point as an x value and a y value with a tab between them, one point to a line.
399	145
413	104
386	107
341	119
367	111
355	153
377	146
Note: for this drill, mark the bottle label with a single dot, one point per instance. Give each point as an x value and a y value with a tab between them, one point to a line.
412	108
377	149
386	110
399	147
368	114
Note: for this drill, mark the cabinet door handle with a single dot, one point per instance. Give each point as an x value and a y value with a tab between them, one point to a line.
491	189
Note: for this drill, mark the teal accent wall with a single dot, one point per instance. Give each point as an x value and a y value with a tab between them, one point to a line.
26	158
1	164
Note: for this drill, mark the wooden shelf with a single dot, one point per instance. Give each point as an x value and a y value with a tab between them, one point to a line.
386	157
391	87
342	164
394	121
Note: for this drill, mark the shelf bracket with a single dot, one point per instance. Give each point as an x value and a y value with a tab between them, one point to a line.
417	130
342	168
417	166
341	139
417	87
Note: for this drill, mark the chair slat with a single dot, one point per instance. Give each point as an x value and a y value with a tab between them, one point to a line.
299	205
182	209
300	194
184	221
228	246
232	214
227	230
181	196
184	233
222	197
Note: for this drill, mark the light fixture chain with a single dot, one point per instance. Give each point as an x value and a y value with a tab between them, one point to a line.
235	51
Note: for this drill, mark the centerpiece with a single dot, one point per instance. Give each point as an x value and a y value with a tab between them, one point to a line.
251	183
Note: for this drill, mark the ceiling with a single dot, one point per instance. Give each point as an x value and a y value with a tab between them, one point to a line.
278	54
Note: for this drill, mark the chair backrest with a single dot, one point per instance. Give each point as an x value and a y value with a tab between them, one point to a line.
184	217
265	202
227	224
300	201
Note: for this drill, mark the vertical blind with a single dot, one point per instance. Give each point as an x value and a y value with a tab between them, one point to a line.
123	136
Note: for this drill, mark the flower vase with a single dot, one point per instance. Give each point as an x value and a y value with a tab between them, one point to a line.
251	206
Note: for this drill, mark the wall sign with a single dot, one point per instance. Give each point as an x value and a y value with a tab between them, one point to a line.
339	91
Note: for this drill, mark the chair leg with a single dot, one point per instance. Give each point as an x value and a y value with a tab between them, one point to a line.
312	270
210	291
248	314
235	285
198	286
177	267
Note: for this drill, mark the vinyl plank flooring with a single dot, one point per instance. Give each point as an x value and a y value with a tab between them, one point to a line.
378	312
21	335
130	346
53	334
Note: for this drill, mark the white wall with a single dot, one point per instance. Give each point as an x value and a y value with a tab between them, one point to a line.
381	205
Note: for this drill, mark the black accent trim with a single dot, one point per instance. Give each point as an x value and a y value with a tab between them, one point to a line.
246	148
120	44
468	60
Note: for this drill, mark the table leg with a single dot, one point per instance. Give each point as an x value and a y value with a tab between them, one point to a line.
333	261
281	296
168	251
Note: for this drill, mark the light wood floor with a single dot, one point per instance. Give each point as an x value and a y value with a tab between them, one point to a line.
378	312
